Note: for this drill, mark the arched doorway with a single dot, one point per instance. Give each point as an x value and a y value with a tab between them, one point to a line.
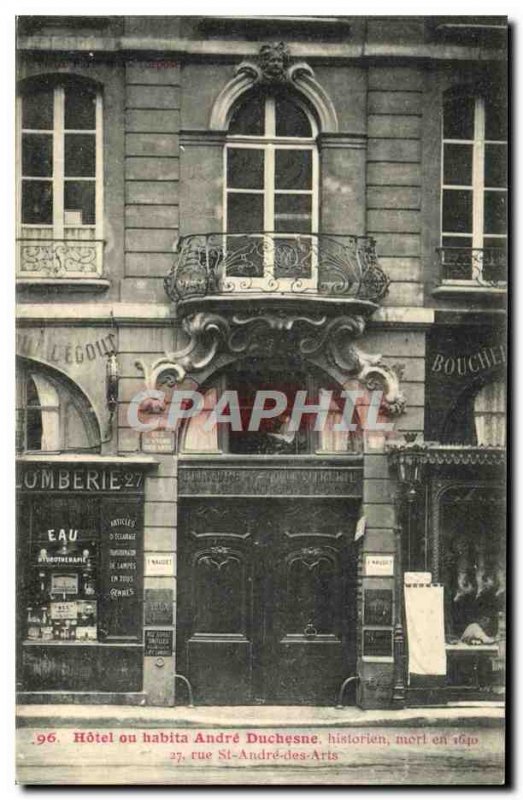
267	564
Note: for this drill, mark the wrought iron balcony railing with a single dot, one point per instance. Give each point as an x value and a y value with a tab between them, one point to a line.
486	267
299	264
59	258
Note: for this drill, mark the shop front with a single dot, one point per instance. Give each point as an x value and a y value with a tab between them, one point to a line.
80	576
452	517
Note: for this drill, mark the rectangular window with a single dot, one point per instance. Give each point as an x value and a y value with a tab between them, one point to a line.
474	190
60	183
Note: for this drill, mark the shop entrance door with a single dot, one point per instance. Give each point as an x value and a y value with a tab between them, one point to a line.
266	600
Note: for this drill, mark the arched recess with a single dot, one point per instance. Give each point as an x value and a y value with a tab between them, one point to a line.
299	77
243	377
61	415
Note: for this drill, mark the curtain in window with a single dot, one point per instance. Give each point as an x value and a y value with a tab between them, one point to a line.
489	415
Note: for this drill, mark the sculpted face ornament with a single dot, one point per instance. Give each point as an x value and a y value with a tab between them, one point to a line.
274	61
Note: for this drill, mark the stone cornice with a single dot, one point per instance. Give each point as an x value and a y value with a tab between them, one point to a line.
324	51
163	313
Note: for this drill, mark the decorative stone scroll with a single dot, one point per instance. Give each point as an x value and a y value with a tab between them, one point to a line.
274	67
269	333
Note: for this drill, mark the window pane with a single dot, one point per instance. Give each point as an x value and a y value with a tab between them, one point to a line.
495	212
458	118
291	120
245	168
79	203
37	154
33	418
80	154
496	122
80	105
495	165
292	213
293	169
249	118
37	110
457	211
457	164
244	213
37	202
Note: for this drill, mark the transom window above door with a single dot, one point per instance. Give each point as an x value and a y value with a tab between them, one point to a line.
271	192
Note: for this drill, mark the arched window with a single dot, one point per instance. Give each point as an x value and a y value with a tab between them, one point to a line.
474	185
271	190
60	180
489	415
52	416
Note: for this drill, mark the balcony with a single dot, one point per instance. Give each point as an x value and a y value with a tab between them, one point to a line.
473	267
250	265
69	262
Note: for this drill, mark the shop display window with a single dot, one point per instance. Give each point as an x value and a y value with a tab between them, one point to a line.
61	586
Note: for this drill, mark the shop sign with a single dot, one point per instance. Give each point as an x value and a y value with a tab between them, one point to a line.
379	565
158	607
377	644
121	571
377	607
159	565
158	643
158	441
64	584
466	364
61	478
58	347
64	610
271	481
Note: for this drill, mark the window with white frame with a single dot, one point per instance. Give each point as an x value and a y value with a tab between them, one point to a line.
474	186
271	191
490	415
60	180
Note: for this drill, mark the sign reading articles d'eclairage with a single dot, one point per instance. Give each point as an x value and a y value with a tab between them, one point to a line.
159	565
379	565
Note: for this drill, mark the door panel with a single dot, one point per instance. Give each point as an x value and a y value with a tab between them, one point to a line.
267	600
215	603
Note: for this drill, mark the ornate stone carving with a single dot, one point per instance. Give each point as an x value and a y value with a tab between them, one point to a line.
274	61
274	66
269	333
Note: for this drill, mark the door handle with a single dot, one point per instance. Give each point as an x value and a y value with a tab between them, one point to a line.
310	631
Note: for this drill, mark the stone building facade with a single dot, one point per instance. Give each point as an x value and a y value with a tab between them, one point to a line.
276	203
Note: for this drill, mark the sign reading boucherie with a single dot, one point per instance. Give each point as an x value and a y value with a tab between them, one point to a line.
78	478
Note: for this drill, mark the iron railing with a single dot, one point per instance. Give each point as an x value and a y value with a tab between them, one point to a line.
483	266
322	264
59	258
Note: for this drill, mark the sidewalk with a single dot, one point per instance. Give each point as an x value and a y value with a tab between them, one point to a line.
473	714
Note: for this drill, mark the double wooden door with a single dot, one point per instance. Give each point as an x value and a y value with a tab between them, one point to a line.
266	600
